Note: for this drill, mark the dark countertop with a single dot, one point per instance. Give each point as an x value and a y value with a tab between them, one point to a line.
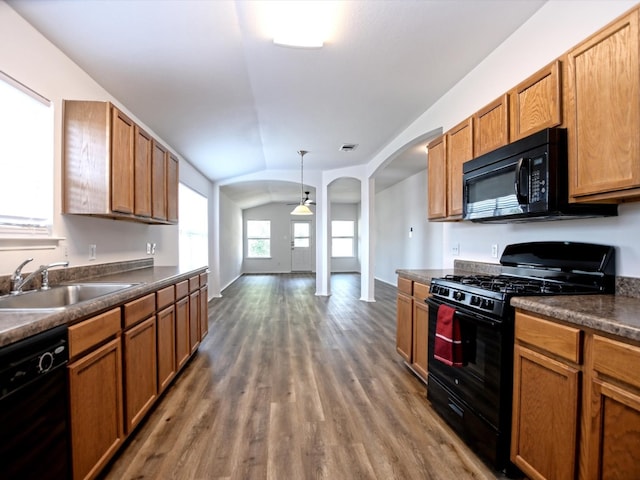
423	276
15	326
613	314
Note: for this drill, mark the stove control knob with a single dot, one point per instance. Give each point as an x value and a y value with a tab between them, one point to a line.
458	296
475	300
487	304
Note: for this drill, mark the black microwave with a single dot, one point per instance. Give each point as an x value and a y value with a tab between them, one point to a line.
524	181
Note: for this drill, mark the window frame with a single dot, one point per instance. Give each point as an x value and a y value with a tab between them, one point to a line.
186	231
249	239
351	237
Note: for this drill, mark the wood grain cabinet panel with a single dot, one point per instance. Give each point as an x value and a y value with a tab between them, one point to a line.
404	326
420	338
166	345
172	188
204	312
182	332
604	113
437	179
194	321
159	182
122	162
459	150
142	173
491	126
96	409
536	103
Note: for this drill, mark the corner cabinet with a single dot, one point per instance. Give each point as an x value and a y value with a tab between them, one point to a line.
108	169
604	114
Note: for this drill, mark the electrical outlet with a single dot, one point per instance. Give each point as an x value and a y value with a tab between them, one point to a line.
148	248
92	252
494	250
153	249
455	249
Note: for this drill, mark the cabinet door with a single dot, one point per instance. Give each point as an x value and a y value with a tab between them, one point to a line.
159	182
537	102
95	385
142	173
194	321
122	148
166	347
204	312
545	415
420	338
182	332
404	326
491	126
437	179
172	189
459	150
140	365
604	113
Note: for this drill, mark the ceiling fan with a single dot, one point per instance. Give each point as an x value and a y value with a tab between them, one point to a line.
305	200
303	207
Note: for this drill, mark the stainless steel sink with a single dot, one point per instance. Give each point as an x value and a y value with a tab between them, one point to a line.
59	297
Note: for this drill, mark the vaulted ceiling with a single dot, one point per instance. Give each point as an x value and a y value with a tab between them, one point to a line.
206	77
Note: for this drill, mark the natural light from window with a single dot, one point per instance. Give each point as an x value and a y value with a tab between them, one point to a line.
193	228
26	160
258	239
342	238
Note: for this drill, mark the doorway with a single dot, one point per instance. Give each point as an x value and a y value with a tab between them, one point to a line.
301	245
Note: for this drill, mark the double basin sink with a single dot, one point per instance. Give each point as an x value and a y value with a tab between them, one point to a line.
58	297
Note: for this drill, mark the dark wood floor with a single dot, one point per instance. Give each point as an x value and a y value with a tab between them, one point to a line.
288	385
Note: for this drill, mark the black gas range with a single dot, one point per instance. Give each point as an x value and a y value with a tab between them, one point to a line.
475	398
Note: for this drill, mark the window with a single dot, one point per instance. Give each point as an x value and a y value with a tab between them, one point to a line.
258	238
193	229
26	160
342	237
301	234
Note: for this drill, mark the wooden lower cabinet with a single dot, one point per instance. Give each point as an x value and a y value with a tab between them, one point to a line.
96	408
182	332
194	321
140	371
420	338
412	324
545	413
204	312
166	345
404	326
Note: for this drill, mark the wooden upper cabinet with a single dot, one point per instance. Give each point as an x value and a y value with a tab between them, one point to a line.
142	173
107	167
603	118
172	188
536	103
459	150
491	126
159	182
122	152
437	178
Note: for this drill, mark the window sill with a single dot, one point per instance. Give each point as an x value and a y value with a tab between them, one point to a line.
29	243
258	258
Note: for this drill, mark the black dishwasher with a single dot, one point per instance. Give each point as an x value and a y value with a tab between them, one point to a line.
34	436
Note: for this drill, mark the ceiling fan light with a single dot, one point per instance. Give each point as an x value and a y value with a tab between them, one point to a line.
301	210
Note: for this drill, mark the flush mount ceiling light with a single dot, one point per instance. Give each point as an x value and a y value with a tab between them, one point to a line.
305	24
302	209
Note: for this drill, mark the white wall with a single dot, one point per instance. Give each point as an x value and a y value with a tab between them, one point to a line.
398	209
347	211
553	30
31	59
230	238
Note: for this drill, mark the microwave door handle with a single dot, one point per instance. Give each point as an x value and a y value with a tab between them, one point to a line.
522	198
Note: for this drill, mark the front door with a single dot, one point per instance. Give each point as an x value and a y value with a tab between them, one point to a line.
301	246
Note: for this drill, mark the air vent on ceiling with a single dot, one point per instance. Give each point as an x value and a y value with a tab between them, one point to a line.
348	147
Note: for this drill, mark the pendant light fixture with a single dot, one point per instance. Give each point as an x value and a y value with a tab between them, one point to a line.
301	209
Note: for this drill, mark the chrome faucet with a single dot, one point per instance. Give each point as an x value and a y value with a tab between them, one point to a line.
18	283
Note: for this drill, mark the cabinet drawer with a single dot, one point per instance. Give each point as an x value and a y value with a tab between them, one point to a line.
405	286
165	296
182	289
92	332
420	291
552	337
616	359
194	283
139	309
204	279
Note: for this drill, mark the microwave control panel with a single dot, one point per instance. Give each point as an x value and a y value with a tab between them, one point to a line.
537	180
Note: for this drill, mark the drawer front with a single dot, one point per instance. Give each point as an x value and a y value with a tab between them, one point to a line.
616	359
194	283
420	291
139	309
405	286
560	340
165	296
92	332
204	279
182	289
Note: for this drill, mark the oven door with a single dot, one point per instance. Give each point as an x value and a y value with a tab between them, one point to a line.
478	383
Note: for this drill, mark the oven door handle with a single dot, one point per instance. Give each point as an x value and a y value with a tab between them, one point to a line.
465	315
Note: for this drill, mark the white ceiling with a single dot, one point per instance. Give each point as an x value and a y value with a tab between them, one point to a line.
204	75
